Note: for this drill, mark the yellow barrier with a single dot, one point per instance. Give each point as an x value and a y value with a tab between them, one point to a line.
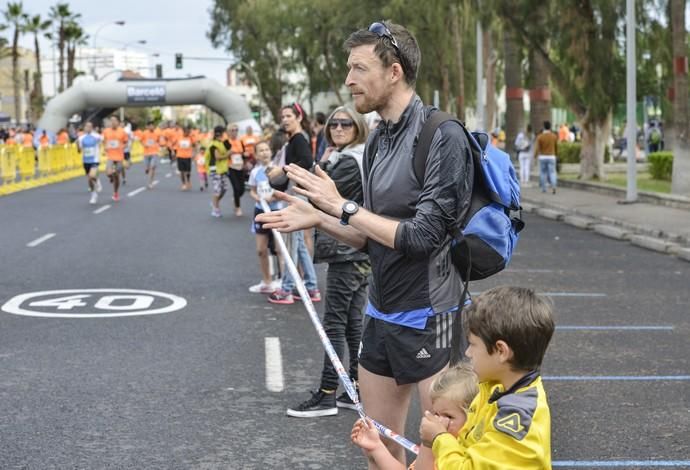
23	167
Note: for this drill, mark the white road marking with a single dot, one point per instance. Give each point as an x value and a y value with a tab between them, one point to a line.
102	209
83	304
38	241
274	365
136	191
168	175
155	182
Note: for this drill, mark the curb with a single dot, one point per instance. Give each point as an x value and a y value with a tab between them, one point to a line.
666	200
643	236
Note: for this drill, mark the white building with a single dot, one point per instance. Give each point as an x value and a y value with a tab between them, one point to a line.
97	64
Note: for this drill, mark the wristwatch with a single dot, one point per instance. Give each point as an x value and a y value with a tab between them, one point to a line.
350	208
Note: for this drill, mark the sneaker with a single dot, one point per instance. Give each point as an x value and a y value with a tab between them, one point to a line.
215	213
281	297
262	288
238	212
314	294
320	404
99	187
116	197
276	284
94	197
343	401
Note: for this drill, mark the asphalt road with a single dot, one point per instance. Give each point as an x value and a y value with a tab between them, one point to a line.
188	388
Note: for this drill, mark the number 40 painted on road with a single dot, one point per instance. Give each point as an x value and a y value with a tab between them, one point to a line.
138	302
75	303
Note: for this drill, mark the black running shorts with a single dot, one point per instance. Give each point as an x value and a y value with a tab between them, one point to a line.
406	354
184	164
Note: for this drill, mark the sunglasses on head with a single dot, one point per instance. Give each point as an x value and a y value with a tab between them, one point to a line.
344	123
382	31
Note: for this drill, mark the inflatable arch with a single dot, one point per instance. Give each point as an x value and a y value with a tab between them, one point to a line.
144	92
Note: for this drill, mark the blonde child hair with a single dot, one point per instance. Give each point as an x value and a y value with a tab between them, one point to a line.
457	384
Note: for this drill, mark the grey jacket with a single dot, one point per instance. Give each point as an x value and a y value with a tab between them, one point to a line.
418	273
344	168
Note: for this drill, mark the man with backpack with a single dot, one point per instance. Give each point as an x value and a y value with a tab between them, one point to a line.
654	138
406	225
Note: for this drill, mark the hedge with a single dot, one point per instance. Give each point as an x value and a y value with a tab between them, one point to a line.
660	165
569	152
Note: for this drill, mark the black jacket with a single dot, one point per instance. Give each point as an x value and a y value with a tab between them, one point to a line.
418	273
344	168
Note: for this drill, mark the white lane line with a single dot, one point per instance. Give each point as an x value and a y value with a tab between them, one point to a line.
168	175
136	191
38	241
155	182
102	209
274	365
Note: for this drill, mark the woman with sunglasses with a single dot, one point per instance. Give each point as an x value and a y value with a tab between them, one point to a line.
348	269
298	151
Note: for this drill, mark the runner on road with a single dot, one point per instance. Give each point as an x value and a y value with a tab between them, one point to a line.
150	140
184	149
115	139
217	161
89	145
236	162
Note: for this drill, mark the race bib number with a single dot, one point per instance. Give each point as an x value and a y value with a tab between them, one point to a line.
264	190
89	151
185	144
150	142
237	162
113	144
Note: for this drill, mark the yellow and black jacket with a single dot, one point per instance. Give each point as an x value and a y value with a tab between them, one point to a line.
504	430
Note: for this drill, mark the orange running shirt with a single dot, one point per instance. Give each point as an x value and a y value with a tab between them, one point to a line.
115	140
28	139
169	134
250	142
236	149
63	138
150	141
184	147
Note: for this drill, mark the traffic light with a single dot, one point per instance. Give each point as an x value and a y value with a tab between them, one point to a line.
159	71
178	61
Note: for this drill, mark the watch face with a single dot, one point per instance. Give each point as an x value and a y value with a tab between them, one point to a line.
350	207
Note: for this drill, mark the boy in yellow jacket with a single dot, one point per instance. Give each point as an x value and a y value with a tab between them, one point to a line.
508	423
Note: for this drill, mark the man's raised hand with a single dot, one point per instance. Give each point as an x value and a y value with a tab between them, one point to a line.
318	187
298	215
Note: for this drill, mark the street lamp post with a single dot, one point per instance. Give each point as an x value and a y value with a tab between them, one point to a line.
127	44
95	38
95	35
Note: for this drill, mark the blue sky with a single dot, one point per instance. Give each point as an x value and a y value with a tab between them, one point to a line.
171	26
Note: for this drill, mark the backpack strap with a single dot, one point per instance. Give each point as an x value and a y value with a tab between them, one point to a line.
423	146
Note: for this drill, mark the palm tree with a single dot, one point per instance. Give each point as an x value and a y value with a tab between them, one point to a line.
513	79
61	15
14	14
36	25
74	36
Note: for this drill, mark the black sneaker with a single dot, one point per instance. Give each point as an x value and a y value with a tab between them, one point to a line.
320	404
344	401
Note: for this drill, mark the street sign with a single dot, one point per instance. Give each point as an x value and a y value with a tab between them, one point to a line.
178	61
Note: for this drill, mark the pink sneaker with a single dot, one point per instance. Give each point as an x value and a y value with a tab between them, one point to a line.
281	297
314	294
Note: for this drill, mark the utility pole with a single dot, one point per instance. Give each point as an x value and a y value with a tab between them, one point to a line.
631	95
480	78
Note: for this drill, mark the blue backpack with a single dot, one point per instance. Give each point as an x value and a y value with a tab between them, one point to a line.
485	238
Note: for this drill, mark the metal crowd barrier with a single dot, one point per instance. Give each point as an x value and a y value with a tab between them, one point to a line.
24	167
